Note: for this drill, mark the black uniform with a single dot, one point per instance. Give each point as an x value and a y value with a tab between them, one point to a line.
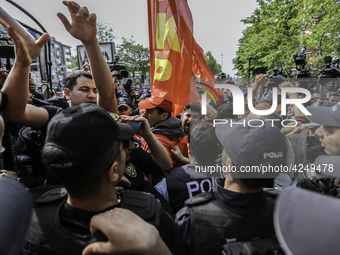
59	228
184	182
208	221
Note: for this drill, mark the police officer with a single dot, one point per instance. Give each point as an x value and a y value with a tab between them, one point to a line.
239	210
86	150
192	179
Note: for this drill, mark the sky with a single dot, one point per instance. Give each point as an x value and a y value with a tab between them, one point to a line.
217	26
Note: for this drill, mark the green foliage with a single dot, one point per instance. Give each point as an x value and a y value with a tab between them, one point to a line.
104	33
135	55
278	28
74	63
212	63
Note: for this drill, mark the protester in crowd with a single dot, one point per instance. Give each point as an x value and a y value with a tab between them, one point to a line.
81	87
334	98
299	115
239	210
32	91
86	150
260	80
225	111
165	127
140	162
315	97
329	131
132	95
191	179
190	116
127	234
312	147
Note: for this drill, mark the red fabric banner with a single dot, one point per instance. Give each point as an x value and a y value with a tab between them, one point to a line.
199	65
170	39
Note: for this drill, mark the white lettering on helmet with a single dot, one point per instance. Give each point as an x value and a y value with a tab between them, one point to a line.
278	154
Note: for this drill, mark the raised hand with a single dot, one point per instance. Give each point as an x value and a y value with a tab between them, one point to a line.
26	52
83	24
260	79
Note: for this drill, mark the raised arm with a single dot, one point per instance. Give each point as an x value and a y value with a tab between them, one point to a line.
83	27
323	92
260	79
297	111
159	154
16	84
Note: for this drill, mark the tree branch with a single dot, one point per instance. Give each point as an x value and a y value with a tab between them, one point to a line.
320	50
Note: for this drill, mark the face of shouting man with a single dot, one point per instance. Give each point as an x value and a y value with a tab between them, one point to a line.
330	139
188	118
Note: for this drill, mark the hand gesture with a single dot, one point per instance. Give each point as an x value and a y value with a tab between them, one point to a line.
177	154
26	52
8	174
260	79
83	24
144	129
285	84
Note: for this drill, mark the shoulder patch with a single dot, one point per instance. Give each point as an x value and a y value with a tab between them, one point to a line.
52	195
130	170
200	198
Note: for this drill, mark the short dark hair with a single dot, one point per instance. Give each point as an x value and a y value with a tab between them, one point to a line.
193	107
225	111
161	111
253	183
204	144
80	181
71	78
257	183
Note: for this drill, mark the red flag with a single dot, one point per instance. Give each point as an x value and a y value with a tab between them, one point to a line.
202	71
200	66
170	39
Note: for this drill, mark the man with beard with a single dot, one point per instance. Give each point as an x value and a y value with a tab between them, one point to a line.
190	116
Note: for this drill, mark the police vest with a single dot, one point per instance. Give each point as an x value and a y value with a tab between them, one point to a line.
214	223
182	185
47	236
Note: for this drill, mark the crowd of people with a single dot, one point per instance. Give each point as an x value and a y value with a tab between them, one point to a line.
105	170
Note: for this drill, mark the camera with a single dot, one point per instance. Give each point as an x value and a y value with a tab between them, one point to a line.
331	69
304	74
276	78
122	72
330	73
